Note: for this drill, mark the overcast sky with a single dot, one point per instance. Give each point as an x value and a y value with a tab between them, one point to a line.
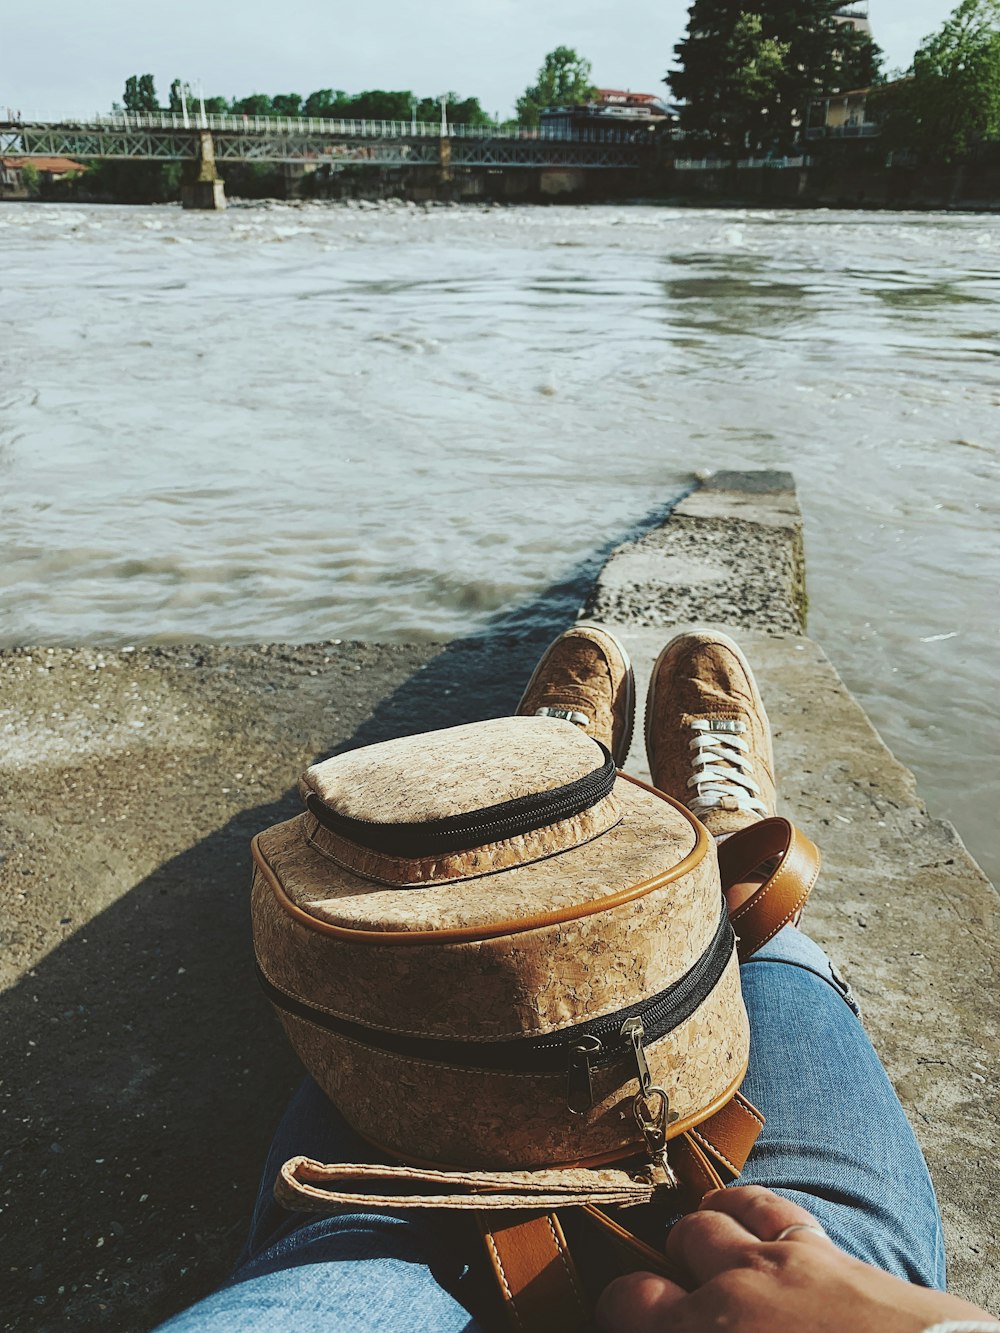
63	57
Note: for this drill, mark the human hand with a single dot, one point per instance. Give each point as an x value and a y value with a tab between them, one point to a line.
744	1280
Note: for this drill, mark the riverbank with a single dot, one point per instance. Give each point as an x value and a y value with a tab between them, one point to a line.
835	181
143	1072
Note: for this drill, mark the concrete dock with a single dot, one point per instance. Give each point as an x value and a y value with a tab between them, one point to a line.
142	1071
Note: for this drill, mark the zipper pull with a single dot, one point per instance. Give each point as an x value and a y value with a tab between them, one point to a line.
579	1083
633	1031
651	1104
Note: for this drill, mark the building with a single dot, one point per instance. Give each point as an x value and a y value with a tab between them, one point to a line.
610	109
14	183
856	14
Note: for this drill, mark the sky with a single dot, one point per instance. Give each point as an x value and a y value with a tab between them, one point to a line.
66	58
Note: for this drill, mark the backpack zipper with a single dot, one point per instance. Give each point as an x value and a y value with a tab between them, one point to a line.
473	828
576	1051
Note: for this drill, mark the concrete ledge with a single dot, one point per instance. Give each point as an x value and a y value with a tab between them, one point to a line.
731	551
142	1071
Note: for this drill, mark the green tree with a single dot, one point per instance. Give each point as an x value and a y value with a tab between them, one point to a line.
140	94
461	110
31	180
179	91
756	66
950	103
565	79
257	104
322	102
287	104
818	55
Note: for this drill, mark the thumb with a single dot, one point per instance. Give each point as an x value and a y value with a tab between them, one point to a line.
637	1303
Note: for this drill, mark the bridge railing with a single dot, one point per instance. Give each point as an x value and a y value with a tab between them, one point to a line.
323	125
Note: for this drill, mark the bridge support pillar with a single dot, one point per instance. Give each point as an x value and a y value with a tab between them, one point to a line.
206	191
444	157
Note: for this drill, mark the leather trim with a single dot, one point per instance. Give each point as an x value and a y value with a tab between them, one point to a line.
694	1168
786	889
531	1261
495	929
730	1133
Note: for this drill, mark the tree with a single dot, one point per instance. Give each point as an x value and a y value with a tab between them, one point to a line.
257	104
756	66
322	102
179	92
287	104
563	80
950	103
140	94
818	55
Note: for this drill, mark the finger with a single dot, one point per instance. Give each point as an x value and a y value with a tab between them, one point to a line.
708	1243
637	1303
764	1214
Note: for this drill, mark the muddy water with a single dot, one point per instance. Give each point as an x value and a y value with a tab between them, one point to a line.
299	423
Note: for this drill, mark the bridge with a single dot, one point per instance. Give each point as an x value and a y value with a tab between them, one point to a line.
334	144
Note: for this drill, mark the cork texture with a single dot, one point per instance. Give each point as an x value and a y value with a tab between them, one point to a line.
413	872
441	773
649	838
697	676
508	986
483	1119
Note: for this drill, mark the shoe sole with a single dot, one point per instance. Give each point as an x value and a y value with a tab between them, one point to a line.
737	652
618	752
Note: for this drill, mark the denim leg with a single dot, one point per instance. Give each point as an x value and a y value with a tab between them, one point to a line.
355	1271
836	1140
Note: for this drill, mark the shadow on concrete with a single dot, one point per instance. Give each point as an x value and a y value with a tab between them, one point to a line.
143	1069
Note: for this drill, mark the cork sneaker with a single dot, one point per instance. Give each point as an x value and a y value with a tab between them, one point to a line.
586	677
707	736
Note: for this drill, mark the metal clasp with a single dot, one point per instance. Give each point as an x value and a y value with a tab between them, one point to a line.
651	1105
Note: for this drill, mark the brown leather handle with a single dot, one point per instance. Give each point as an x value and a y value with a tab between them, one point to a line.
793	863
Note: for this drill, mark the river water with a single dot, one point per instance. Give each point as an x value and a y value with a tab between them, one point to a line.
312	422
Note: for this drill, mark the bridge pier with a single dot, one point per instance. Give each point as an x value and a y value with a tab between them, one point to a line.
207	191
444	157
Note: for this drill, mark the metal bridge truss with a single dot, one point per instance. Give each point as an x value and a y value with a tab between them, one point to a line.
291	145
137	145
296	148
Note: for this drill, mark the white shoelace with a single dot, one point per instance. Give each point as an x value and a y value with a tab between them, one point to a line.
722	771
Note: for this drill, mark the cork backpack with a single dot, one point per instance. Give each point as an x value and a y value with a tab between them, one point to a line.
512	969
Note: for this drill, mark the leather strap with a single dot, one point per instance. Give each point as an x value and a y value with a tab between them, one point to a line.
793	863
727	1136
538	1281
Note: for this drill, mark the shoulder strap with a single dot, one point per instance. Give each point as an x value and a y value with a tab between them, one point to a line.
541	1289
538	1281
791	862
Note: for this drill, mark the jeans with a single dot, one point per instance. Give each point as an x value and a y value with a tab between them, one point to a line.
836	1141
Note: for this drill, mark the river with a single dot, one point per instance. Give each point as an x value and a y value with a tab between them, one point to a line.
328	421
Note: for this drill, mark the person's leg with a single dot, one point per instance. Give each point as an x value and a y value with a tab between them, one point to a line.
836	1139
357	1271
